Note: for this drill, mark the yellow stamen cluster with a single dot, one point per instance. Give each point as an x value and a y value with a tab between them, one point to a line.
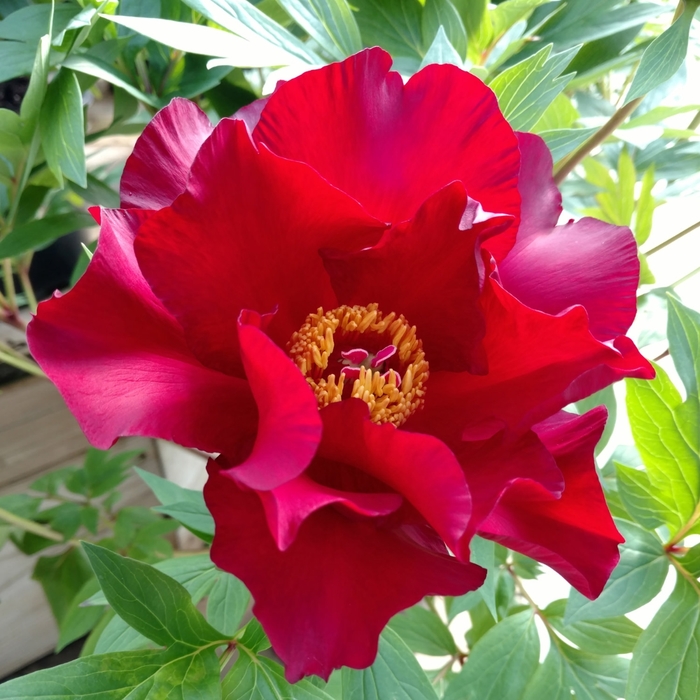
311	348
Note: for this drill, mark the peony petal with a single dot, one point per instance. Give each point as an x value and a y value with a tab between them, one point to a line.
587	262
325	599
121	361
157	170
574	534
537	365
428	271
246	235
419	467
540	205
289	427
392	146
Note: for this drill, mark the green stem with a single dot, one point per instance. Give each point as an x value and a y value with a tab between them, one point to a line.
228	652
685	529
695	123
9	284
30	526
10	357
596	140
685	574
673	239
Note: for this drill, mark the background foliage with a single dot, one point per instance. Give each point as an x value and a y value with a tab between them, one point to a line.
604	82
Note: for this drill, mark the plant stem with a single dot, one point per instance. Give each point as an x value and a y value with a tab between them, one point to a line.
9	284
596	140
27	286
30	526
684	530
685	574
673	239
16	359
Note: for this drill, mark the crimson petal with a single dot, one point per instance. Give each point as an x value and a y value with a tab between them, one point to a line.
246	233
391	145
419	467
324	601
538	363
574	534
157	170
121	361
426	269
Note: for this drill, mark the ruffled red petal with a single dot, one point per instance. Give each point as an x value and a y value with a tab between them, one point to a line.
324	601
419	467
574	534
426	269
289	426
391	145
157	170
246	235
121	361
538	364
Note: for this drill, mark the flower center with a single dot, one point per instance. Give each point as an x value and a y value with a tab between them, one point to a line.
357	352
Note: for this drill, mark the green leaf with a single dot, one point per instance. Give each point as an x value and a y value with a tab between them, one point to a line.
34	97
258	678
395	674
441	52
132	675
423	632
684	344
227	603
32	22
604	397
61	577
507	13
483	553
561	114
615	635
561	142
97	192
443	14
16	59
185	505
21	504
501	663
550	680
640	498
644	212
666	661
39	233
243	18
79	620
91	65
118	636
149	600
330	22
664	56
526	89
634	581
593	677
63	130
691	561
254	638
666	443
395	25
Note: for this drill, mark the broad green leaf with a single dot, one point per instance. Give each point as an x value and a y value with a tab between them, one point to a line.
245	19
34	97
627	178
259	678
149	600
21	504
423	632
604	397
658	114
501	663
395	25
32	22
664	56
640	498
561	114
91	65
131	675
441	52
207	41
562	142
684	344
61	577
483	554
79	620
227	603
118	636
666	661
330	22
550	680
97	192
254	638
481	622
615	635
442	13
16	59
395	674
663	438
507	13
634	581
593	677
526	89
691	561
62	128
473	14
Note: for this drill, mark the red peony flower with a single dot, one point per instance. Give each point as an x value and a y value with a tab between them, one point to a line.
356	293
